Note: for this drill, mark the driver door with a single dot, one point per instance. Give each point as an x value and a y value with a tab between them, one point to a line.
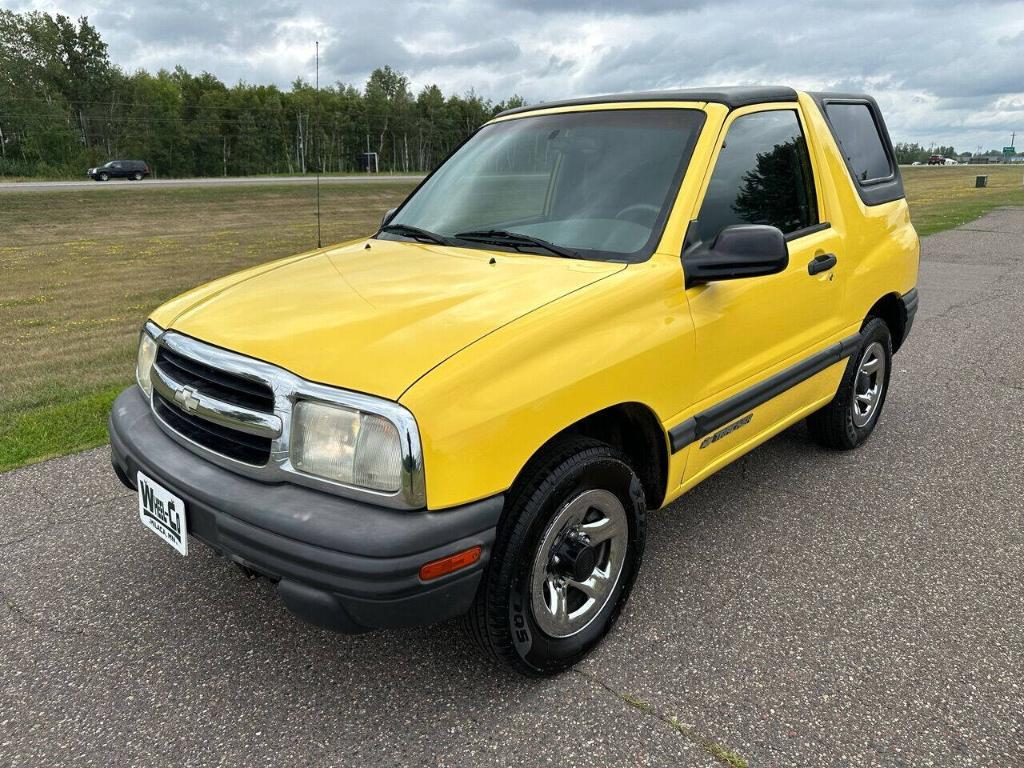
748	330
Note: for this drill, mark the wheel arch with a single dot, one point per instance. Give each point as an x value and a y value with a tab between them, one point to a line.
891	309
632	428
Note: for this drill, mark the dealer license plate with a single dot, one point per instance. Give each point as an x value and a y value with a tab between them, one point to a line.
163	513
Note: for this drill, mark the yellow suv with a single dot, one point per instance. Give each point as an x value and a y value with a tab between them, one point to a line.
587	309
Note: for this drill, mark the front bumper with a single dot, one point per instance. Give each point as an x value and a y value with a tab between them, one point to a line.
341	564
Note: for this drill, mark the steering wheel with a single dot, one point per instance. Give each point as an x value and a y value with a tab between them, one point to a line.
629	212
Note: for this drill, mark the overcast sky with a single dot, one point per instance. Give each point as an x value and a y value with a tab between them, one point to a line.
945	71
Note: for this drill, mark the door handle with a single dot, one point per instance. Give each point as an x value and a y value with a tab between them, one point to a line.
821	262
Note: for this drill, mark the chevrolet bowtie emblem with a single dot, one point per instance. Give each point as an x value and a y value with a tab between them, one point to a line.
187	398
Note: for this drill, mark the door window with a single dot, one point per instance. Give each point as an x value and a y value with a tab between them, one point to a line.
763	176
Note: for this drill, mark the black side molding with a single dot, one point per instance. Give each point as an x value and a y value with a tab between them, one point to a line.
681	435
732	408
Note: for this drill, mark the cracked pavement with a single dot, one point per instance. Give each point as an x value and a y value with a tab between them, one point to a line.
801	607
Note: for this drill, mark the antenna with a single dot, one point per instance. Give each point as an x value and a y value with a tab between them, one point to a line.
319	149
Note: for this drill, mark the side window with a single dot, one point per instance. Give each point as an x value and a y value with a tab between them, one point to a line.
859	140
763	176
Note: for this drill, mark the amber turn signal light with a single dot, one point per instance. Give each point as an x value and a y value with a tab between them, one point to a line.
437	568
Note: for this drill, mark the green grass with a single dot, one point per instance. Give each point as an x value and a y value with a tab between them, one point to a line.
943	197
721	753
77	422
80	272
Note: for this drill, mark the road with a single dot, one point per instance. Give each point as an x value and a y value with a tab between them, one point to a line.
801	607
227	181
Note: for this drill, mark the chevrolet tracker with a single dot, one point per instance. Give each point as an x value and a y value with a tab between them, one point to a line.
590	307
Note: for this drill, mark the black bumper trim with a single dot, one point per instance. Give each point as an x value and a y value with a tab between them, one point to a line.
342	564
910	301
707	421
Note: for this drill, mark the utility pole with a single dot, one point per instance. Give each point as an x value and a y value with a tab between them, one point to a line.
316	146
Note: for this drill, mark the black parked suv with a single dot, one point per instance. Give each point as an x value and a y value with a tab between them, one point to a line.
123	169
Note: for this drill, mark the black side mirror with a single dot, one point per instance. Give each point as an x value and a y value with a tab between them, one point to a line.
388	215
742	250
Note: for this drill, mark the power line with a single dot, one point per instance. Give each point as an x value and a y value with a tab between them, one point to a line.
178	119
358	97
135	118
155	104
363	117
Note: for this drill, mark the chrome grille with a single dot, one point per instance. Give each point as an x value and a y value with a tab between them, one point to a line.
221	411
220	384
231	443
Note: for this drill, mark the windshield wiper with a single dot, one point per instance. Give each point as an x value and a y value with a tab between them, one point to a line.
423	235
514	240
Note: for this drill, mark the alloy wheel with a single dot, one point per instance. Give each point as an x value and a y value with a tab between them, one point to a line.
869	384
578	563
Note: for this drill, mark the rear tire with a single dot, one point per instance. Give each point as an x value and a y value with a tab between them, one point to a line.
565	558
850	418
137	176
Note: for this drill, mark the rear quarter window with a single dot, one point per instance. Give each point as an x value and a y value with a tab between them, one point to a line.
860	141
856	124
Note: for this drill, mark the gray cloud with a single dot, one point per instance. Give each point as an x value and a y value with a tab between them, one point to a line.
494	51
943	70
614	7
195	23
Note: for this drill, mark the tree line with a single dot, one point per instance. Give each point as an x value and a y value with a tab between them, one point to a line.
915	153
65	107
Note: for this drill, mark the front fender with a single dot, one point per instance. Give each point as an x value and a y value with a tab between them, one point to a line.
485	411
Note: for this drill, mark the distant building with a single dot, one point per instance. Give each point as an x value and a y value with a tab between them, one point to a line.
992	158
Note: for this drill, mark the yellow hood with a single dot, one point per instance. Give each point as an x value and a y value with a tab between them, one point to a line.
373	319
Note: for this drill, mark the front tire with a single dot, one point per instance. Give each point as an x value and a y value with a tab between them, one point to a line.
104	177
567	553
850	418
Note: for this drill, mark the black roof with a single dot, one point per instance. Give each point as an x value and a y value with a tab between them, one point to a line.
732	97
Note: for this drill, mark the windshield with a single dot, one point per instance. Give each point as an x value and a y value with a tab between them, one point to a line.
596	184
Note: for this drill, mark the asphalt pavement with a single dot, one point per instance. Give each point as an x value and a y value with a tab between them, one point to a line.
223	181
801	607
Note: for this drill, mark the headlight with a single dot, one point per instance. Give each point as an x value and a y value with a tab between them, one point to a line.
347	446
144	359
